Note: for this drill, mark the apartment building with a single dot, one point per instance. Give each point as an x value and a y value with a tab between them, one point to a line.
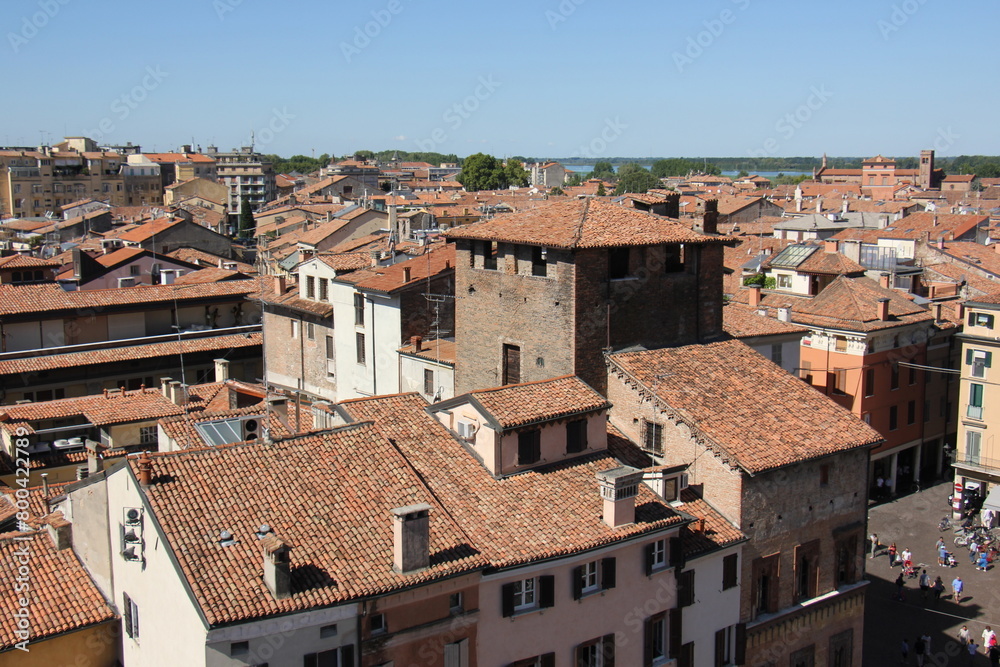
246	175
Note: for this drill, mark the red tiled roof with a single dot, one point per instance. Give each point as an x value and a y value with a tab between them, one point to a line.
741	321
749	410
515	405
531	516
210	274
853	304
435	349
61	596
915	225
582	224
26	261
388	279
178	157
333	511
101	409
120	256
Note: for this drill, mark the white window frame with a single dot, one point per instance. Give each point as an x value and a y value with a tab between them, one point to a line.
661	653
148	435
979	363
783	281
525	594
659	555
591	579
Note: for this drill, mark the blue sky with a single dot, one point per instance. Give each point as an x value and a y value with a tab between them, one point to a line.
543	79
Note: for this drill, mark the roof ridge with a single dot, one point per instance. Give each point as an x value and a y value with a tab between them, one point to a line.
578	233
486	390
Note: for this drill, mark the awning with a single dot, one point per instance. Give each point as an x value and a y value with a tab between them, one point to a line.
993	499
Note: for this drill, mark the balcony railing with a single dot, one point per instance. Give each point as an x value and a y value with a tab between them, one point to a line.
977	461
974	412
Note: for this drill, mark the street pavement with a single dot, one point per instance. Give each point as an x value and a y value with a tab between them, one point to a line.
912	522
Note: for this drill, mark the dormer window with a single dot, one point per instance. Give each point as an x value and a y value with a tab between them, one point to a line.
529	447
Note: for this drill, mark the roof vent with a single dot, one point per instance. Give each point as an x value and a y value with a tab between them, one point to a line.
226	539
263	531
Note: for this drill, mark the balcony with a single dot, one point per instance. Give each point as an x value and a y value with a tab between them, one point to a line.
978	462
974	412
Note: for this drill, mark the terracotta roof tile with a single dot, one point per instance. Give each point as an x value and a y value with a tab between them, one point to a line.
433	349
26	261
115	407
749	410
741	321
582	224
150	229
515	405
61	597
853	304
388	279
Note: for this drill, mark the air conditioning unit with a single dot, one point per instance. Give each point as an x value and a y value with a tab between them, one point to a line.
467	431
250	428
126	281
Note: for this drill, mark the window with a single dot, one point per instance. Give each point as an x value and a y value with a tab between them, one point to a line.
784	281
846	551
724	646
973	442
806	570
527	595
489	251
673	261
618	259
894	377
147	435
529	447
596	653
656	556
359	342
842	649
805	657
327	631
839	377
776	353
764	592
840	343
130	616
655	640
911	413
324	290
456	654
730	571
975	410
576	436
870	382
455	603
805	372
652	437
597	575
927	411
546	660
329	347
310	331
359	309
980	360
539	261
239	649
295	328
134	270
911	377
511	364
981	320
377	624
428	382
685	588
335	657
893	417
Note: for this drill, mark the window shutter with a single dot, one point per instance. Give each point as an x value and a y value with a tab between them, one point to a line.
740	652
546	591
577	582
347	655
647	642
648	550
989	358
972	319
536	446
968	357
310	660
676	552
548	660
674	640
507	600
608	573
127	614
608	648
720	648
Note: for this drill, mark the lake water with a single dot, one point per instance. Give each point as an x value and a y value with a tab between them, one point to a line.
587	168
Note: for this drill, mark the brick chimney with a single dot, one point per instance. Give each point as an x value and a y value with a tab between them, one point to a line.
277	566
937	311
710	220
830	245
673	205
165	386
407	273
60	530
754	296
145	469
883	310
95	462
416	341
619	487
280	284
884	280
410	538
221	369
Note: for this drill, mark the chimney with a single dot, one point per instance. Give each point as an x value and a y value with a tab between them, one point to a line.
279	406
406	274
145	469
279	285
60	530
221	370
673	205
619	487
416	341
934	222
830	245
819	204
884	280
843	207
883	310
165	386
937	311
710	220
178	393
95	463
755	296
410	538
960	311
45	484
277	566
940	243
785	314
798	201
393	220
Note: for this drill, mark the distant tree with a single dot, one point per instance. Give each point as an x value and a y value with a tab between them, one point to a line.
516	174
743	173
364	155
600	189
556	191
633	178
782	179
574	179
604	171
247	223
518	158
482	172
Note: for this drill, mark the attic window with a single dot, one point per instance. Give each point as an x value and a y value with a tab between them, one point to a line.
618	263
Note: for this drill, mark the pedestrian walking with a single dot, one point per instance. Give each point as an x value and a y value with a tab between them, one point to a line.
904	652
993	653
972	648
926	639
984	561
907	557
942	555
957	587
989	637
900	583
925	584
938	589
892	554
963	635
873	538
918	651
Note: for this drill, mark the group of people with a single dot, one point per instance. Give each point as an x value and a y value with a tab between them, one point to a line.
990	645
